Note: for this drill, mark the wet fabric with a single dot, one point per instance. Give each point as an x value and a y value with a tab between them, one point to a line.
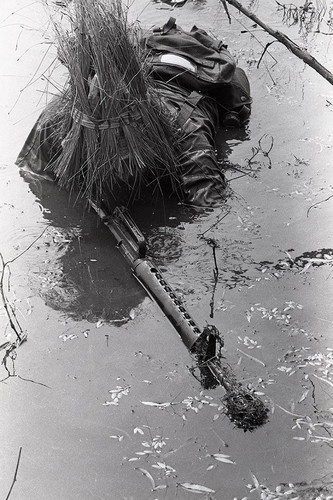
197	116
234	96
191	59
42	146
203	182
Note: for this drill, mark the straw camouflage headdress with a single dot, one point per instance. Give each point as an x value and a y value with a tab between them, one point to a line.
114	130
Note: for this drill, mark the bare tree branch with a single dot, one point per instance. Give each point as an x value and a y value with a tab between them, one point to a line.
285	40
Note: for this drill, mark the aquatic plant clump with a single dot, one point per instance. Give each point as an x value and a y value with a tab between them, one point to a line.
309	16
114	131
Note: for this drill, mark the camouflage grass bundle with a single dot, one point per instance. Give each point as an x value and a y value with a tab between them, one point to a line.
117	133
243	407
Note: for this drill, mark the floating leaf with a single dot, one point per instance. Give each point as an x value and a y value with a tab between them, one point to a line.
255	481
248	316
148	476
196	488
65	337
305	393
118	437
157	405
223	458
132	314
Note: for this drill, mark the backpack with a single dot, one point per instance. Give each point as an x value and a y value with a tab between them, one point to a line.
194	60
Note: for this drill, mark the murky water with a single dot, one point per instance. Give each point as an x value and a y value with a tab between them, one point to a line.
98	349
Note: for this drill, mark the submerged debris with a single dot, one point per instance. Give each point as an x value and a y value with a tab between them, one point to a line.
305	260
243	407
246	410
320	489
309	17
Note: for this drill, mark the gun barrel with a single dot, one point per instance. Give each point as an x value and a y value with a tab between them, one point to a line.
154	283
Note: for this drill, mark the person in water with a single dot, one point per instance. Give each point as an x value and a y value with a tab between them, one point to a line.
195	111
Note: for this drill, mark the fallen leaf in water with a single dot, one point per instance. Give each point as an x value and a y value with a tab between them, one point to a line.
196	488
132	314
223	458
157	405
248	316
305	393
306	267
166	468
255	481
148	476
65	337
118	437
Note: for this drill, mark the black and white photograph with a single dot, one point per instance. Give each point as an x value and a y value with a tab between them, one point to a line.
166	250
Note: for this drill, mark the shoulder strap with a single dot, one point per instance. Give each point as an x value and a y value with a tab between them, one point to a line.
168	26
188	107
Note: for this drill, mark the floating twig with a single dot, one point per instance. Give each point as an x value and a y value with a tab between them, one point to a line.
318	203
264	51
265	152
287	42
21	336
226	10
323	379
251	357
213	244
13	321
289	412
215	224
8	308
33	381
16	470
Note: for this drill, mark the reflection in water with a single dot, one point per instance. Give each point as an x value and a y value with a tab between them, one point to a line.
229	138
79	271
308	17
165	245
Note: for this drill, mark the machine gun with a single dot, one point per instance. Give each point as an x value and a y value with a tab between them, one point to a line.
243	407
